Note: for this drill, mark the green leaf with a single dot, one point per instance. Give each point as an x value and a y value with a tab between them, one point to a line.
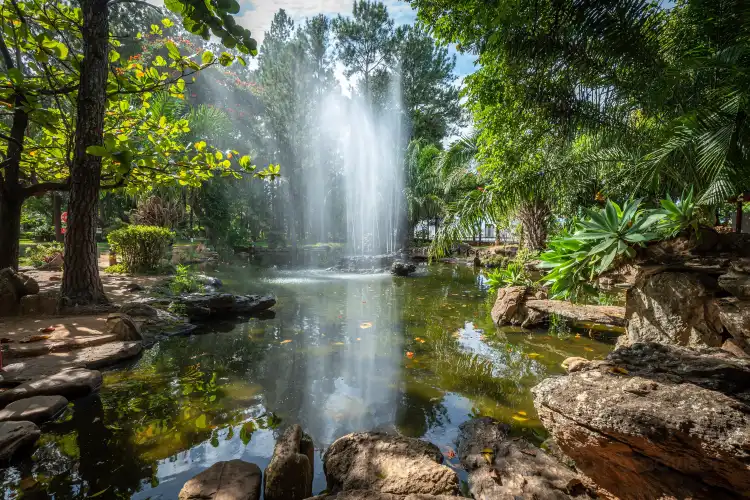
200	422
166	22
159	61
15	76
172	50
207	57
225	59
114	56
246	433
97	151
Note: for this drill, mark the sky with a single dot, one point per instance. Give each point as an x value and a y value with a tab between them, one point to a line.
256	15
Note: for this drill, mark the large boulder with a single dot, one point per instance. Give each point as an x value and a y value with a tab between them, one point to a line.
43	303
15	436
676	308
735	282
503	468
376	495
401	268
213	305
36	409
385	463
655	421
74	383
9	292
232	480
510	307
123	327
735	316
289	475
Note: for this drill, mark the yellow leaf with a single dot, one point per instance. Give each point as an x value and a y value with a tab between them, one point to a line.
534	355
338	343
588	349
285	341
365	324
523	413
520	419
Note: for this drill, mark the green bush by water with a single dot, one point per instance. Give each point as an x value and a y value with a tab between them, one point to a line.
184	281
141	247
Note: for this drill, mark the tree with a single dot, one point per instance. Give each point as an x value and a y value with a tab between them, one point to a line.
366	43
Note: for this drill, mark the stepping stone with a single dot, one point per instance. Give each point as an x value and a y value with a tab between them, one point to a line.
16	435
232	480
57	345
74	383
38	367
36	409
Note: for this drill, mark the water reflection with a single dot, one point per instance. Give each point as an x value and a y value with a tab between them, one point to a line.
332	359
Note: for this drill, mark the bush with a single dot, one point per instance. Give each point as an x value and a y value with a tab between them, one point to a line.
116	269
43	253
43	233
184	281
140	247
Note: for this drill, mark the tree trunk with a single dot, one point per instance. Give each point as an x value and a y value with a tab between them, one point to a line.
56	217
81	282
534	216
10	229
497	236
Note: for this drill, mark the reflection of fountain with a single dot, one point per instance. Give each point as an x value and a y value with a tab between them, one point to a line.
354	387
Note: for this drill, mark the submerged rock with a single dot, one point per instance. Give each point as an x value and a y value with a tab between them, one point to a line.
503	468
232	480
401	268
15	436
210	305
71	384
385	463
34	409
289	475
655	421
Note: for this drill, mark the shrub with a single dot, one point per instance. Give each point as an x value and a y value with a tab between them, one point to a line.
43	233
514	274
43	253
140	247
117	269
679	216
184	281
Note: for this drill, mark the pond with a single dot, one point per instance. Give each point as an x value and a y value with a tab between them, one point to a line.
343	353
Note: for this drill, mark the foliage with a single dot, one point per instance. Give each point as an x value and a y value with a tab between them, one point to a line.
605	237
680	216
276	240
117	269
43	253
140	247
184	281
514	274
158	212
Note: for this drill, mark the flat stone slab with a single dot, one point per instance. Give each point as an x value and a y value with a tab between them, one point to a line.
232	480
603	315
74	383
90	357
35	409
16	435
376	495
57	345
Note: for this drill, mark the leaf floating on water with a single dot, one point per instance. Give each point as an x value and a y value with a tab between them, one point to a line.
449	453
588	349
578	335
338	343
285	341
200	422
410	355
98	493
519	418
365	324
420	340
522	413
534	355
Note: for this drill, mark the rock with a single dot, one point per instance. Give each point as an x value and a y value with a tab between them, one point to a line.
55	264
94	357
736	283
30	286
41	304
510	308
375	495
136	309
603	315
71	384
387	464
232	480
134	287
401	268
734	314
674	308
289	475
502	468
209	281
204	305
123	326
36	409
15	436
575	364
655	421
735	348
9	296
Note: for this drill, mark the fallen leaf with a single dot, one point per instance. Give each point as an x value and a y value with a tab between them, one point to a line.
365	324
519	418
534	355
35	338
47	329
420	340
578	335
285	341
410	355
588	349
521	412
449	453
338	343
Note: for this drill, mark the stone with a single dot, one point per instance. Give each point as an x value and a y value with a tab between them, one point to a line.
289	475
43	303
35	409
133	287
734	315
205	305
387	463
575	364
510	308
736	283
71	384
231	480
674	308
735	348
30	286
503	468
401	268
375	495
9	295
55	264
94	357
123	327
655	421
136	309
15	436
602	315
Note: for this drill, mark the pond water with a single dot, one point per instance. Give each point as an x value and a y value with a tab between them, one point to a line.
344	353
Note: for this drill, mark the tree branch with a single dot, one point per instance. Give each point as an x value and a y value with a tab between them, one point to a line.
44	187
137	2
